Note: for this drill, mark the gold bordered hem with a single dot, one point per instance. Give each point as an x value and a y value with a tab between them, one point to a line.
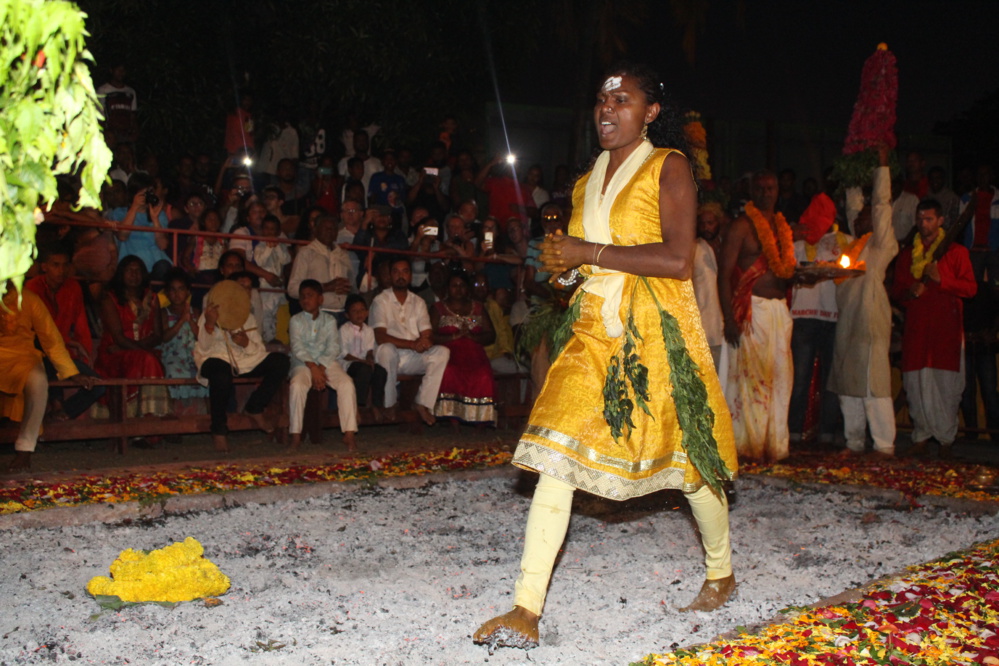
545	460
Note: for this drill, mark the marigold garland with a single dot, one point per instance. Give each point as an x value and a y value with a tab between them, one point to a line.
178	572
921	255
779	251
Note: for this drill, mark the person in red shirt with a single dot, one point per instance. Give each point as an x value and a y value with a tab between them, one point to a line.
63	297
932	340
507	197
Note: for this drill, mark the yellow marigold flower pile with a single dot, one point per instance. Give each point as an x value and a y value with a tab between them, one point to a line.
178	572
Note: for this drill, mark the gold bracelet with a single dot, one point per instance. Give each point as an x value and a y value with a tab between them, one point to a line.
593	259
599	253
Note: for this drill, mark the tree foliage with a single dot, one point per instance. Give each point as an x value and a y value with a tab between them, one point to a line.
50	121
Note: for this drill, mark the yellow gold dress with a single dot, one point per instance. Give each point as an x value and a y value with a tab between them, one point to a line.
567	436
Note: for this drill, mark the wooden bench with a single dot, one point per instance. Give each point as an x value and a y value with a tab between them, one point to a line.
119	429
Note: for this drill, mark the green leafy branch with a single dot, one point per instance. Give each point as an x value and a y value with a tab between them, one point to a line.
690	397
50	123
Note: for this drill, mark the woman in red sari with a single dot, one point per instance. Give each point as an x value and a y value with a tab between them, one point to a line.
130	314
467	390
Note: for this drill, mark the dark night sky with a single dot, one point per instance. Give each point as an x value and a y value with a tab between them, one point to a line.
800	60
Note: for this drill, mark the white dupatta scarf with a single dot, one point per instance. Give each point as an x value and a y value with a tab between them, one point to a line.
596	229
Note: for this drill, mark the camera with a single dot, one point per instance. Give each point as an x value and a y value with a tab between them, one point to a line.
151	198
430	231
431	171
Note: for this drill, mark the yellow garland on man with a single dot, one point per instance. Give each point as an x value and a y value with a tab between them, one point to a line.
921	255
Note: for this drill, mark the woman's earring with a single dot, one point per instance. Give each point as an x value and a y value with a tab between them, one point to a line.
645	131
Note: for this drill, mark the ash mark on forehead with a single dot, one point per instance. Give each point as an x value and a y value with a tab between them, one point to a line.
612	83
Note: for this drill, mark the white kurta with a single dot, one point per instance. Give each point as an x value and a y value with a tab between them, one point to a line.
860	365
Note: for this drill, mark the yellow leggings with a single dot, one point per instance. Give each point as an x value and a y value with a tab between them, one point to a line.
548	520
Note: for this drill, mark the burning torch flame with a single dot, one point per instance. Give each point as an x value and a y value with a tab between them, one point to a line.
844	261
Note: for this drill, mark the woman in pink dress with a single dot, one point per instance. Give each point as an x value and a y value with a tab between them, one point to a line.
462	325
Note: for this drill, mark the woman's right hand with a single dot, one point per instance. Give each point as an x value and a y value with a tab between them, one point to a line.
139	200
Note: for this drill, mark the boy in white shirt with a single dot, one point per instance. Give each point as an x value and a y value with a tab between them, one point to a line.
357	342
315	355
271	256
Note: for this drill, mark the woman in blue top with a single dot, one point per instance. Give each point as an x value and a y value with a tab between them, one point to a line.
145	211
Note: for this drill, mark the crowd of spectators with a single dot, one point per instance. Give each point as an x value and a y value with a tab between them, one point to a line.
318	235
365	260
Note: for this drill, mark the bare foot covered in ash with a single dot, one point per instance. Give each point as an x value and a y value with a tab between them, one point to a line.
713	595
517	629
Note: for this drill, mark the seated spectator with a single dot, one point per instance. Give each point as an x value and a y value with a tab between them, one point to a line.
130	314
457	243
180	334
404	336
351	217
295	192
501	352
426	238
193	209
315	355
327	186
231	267
357	346
250	230
380	234
306	229
204	253
325	262
236	198
145	211
467	392
63	297
23	385
533	183
95	257
273	200
463	187
493	245
370	165
273	257
387	187
222	354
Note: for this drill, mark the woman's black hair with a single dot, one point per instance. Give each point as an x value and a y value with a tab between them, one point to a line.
117	283
456	271
666	131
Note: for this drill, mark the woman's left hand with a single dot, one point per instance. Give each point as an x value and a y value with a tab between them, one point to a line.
560	253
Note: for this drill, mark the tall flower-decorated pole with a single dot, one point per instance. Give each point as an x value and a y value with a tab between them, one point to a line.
872	122
50	123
